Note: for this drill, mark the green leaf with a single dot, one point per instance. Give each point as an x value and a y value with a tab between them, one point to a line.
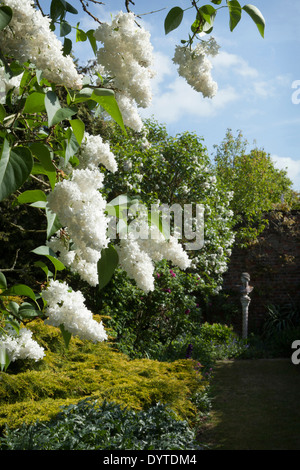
55	112
110	105
35	103
257	17
173	19
62	114
216	2
12	321
207	12
39	76
52	105
93	42
4	358
86	94
3	283
235	13
106	265
15	68
195	27
71	9
14	308
72	146
67	47
20	290
53	223
57	9
44	267
26	310
78	129
81	36
43	154
33	195
65	28
38	169
15	167
66	335
46	251
5	16
2	112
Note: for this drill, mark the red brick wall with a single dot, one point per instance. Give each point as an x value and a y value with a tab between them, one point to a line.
273	264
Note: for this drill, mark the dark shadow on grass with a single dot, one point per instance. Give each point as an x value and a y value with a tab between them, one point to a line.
255	406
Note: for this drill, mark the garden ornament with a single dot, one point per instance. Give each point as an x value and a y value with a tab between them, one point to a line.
245	289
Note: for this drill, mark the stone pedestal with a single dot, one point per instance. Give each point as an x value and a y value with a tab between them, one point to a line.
245	289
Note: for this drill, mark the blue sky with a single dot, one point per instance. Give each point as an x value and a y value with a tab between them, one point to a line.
254	75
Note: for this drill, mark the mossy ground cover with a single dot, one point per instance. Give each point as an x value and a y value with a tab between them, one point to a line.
255	406
34	391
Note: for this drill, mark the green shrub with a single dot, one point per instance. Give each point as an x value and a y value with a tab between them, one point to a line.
142	322
279	344
207	344
97	371
88	425
217	333
280	318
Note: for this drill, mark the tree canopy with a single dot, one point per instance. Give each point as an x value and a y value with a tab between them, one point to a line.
256	184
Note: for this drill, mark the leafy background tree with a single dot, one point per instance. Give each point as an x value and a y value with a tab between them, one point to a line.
257	185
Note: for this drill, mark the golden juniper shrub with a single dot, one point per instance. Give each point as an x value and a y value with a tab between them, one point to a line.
92	370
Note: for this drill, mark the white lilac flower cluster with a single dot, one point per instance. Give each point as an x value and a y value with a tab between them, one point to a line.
195	67
82	262
82	212
81	208
137	253
66	307
127	57
21	346
137	263
29	37
94	151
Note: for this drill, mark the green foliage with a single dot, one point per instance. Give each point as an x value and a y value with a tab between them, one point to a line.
107	265
173	19
141	322
280	317
207	344
31	391
89	425
257	185
206	14
38	130
154	166
15	167
5	16
17	304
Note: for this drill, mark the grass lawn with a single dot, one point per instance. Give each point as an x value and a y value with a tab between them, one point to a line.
256	406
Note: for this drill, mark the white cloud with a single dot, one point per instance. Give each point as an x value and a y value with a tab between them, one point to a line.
163	67
232	62
264	89
292	167
174	100
180	101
